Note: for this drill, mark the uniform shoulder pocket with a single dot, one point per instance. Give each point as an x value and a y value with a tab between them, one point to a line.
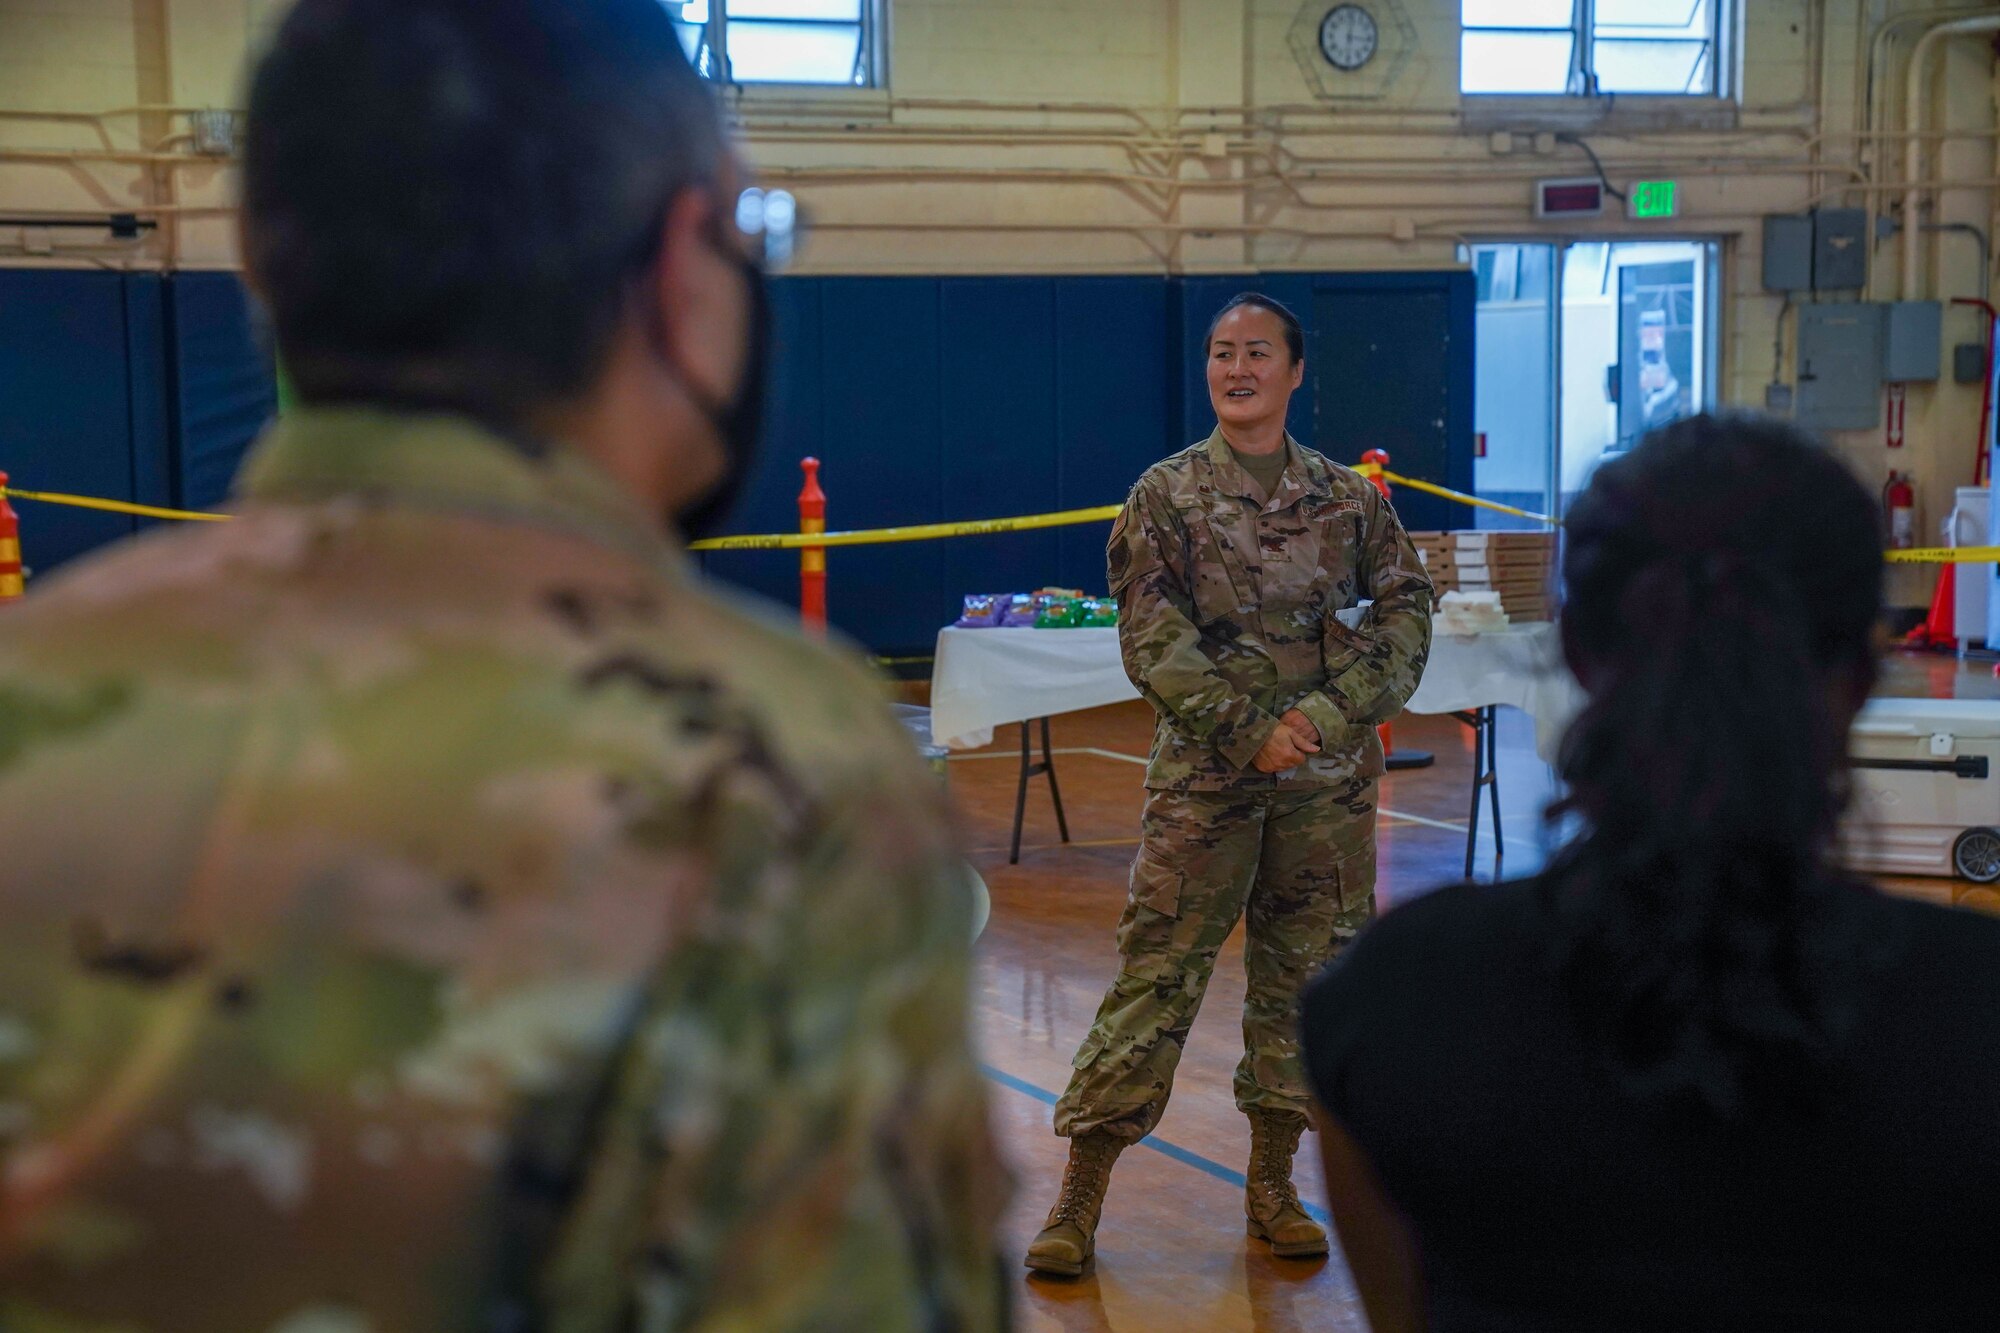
1215	576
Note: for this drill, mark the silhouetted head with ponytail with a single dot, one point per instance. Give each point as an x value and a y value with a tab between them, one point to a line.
1722	584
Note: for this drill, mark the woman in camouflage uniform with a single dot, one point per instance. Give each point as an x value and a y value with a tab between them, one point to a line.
1230	561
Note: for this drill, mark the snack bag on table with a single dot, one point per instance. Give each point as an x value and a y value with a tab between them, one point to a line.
982	611
1100	613
1018	611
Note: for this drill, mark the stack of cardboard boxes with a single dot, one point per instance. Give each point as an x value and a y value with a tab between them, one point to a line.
1520	566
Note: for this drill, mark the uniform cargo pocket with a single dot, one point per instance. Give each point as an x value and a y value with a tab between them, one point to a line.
1093	1046
1343	646
1356	871
1156	884
1153	936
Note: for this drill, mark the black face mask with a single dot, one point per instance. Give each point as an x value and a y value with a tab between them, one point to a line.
740	423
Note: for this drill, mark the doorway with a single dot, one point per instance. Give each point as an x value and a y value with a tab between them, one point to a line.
1581	348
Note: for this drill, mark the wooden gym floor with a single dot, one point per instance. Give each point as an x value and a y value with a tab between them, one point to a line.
1171	1250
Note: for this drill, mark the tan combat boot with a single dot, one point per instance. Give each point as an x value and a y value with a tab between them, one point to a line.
1270	1202
1069	1238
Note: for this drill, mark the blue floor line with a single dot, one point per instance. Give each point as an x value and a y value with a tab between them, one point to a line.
1185	1156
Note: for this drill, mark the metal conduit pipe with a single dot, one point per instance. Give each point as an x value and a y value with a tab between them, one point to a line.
1914	88
1985	251
1351	171
1878	49
75	156
1897	187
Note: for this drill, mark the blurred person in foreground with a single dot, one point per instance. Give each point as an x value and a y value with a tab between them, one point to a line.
1694	1075
424	904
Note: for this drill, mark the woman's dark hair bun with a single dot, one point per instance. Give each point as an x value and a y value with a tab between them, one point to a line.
1721	586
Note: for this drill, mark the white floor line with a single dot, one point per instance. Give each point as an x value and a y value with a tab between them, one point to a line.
1455	826
1458	827
1077	749
1140	760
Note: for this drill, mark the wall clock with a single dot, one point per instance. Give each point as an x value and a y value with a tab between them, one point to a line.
1348	37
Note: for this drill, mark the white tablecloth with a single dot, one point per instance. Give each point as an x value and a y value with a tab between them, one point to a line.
1520	666
986	678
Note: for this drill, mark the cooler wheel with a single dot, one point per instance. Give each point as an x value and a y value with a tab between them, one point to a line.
1976	855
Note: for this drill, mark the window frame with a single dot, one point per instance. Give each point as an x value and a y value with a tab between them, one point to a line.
872	54
1723	57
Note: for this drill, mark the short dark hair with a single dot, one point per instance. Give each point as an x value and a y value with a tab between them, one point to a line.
1295	332
445	202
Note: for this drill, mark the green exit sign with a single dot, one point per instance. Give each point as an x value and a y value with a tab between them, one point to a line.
1654	199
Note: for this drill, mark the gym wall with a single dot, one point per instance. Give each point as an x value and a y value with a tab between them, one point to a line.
1170	139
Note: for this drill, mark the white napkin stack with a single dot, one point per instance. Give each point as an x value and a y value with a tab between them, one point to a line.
1470	613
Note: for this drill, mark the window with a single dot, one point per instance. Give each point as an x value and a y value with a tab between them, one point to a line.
1580	348
1591	47
782	41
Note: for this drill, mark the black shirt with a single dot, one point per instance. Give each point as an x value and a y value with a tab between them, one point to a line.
1542	1197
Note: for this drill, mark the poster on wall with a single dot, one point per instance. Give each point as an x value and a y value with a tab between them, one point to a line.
1656	347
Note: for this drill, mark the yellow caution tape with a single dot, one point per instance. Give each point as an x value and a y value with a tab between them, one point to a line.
792	541
772	541
1473	500
113	506
1936	555
1945	555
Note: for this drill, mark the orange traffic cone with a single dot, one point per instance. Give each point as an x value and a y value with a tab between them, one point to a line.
1940	628
12	581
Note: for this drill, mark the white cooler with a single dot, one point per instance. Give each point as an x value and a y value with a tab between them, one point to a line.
1926	789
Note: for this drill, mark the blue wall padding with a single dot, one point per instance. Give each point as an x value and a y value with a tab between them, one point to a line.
225	390
997	443
66	405
932	399
1385	354
791	431
147	362
877	346
927	399
1114	405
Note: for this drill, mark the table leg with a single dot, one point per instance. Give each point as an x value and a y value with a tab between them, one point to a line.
1055	792
1030	770
1493	784
1021	798
1485	724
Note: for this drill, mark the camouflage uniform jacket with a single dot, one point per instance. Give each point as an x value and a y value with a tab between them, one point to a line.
1226	615
424	906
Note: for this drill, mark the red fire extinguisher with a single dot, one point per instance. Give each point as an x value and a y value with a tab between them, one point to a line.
1899	503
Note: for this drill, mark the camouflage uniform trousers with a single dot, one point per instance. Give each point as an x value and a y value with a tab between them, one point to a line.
1301	865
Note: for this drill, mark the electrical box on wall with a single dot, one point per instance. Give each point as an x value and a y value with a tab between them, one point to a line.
1968	363
1840	249
1913	345
1825	250
1788	252
1840	367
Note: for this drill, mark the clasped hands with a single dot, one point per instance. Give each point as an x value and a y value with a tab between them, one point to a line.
1295	740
